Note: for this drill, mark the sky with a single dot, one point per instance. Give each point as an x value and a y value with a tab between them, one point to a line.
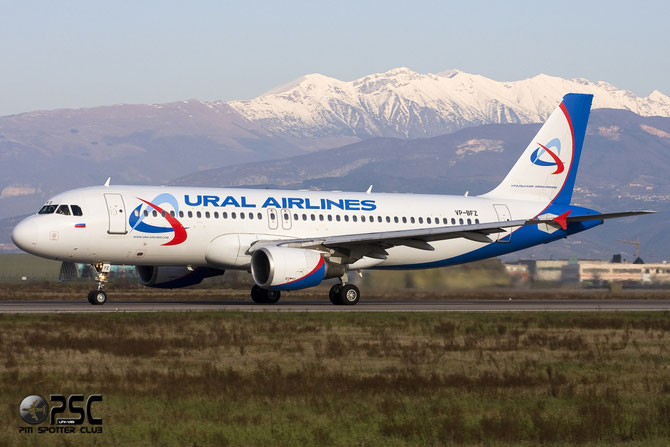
84	53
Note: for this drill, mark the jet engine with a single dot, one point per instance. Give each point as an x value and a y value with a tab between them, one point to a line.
282	268
173	276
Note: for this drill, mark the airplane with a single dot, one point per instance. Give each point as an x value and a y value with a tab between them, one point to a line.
33	410
290	240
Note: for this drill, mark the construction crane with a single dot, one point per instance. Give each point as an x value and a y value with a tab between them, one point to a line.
636	242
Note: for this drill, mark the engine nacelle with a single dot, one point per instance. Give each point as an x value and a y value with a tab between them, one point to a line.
173	276
281	268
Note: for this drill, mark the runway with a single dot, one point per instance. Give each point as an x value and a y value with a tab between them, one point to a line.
49	307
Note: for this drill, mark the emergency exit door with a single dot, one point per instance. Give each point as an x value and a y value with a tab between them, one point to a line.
117	214
273	218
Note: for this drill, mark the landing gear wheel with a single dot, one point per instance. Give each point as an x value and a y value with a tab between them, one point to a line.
349	295
334	294
257	295
97	297
272	296
264	296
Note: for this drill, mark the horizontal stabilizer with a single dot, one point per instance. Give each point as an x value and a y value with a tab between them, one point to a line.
564	220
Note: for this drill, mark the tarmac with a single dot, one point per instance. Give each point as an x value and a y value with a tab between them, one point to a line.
51	307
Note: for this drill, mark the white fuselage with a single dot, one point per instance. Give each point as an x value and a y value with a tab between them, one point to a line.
108	230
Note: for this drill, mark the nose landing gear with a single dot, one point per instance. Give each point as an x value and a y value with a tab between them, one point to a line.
98	296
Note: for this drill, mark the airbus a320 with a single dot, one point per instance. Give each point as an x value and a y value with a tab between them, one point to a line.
291	240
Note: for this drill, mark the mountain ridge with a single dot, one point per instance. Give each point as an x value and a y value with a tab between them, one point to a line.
404	103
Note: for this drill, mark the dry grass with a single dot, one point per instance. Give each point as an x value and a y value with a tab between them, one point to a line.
341	379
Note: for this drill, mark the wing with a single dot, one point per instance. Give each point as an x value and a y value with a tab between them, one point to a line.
351	247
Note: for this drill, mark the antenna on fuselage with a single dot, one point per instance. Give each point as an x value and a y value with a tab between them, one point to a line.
369	190
109	179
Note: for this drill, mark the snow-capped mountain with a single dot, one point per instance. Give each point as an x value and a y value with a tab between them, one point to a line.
403	103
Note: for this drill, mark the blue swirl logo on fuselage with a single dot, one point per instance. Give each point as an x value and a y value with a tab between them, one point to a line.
136	219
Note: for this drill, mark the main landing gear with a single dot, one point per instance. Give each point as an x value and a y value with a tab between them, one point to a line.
344	294
98	296
264	296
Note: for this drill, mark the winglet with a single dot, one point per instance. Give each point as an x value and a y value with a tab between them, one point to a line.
562	220
109	179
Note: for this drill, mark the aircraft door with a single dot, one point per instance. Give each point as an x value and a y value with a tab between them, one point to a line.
503	215
117	214
273	219
285	219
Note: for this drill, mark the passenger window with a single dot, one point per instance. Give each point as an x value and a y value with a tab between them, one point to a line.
295	216
207	214
469	222
224	215
460	221
476	221
354	218
251	215
190	214
388	219
163	213
313	217
198	214
172	213
47	209
453	221
260	216
412	220
304	217
395	219
321	217
420	220
444	220
76	211
64	210
233	215
346	218
216	214
241	215
154	213
181	214
330	218
337	218
362	218
428	220
404	219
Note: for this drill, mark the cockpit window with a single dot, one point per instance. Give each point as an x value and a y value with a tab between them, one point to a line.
63	209
48	209
76	211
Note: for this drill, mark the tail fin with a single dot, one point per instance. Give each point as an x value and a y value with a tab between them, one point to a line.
547	169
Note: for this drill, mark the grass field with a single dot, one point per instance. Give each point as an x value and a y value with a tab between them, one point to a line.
346	379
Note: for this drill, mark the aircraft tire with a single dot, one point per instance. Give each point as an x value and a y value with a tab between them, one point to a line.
97	297
334	294
257	295
349	295
272	296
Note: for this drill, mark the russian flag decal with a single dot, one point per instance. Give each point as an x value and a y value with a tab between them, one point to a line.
80	225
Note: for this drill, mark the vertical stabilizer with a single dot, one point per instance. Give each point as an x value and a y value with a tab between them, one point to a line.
547	168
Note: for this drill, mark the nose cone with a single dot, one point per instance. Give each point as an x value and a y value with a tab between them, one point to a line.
25	235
